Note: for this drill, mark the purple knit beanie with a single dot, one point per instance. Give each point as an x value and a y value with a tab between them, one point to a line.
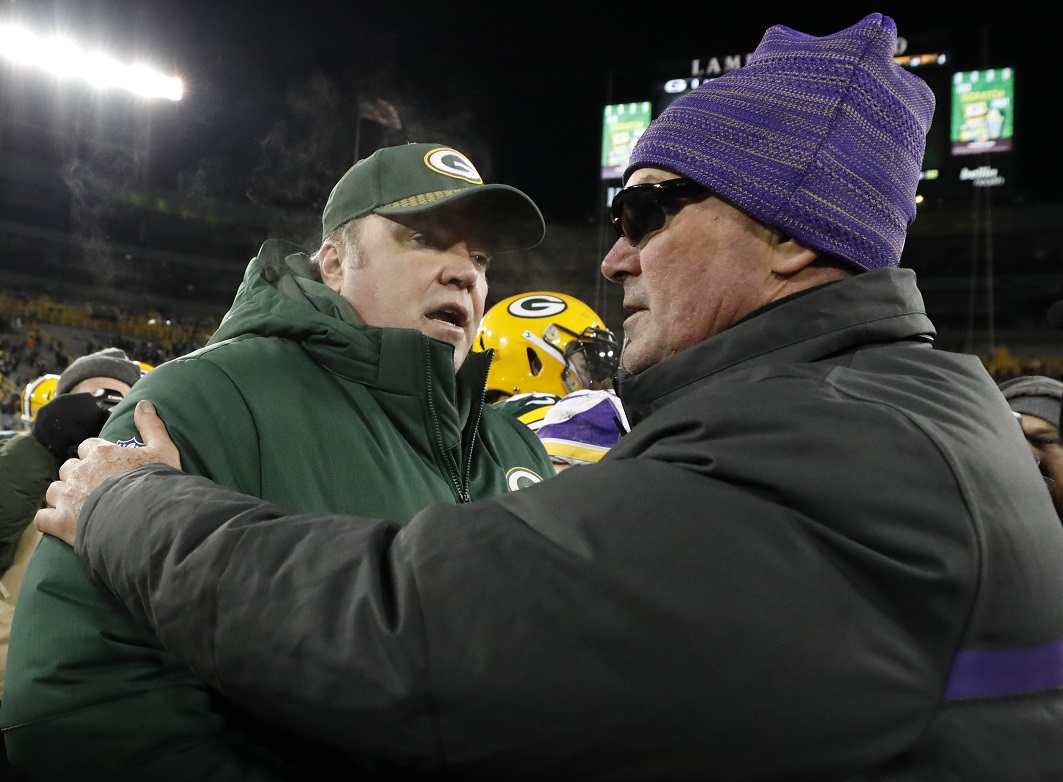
821	139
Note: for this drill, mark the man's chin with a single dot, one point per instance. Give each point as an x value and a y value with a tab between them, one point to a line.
461	348
633	360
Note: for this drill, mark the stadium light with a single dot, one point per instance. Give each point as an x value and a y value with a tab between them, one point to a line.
64	58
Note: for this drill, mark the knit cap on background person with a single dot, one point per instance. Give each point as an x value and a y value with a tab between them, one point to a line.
69	418
820	139
109	362
1035	395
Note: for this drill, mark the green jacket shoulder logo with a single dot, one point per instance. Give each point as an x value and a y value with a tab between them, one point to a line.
521	478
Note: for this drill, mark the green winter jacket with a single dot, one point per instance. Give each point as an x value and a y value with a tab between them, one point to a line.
293	400
26	470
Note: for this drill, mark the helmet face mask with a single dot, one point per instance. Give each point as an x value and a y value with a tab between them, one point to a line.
593	356
548	343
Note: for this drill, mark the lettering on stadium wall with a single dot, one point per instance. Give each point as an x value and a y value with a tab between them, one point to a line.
983	176
715	66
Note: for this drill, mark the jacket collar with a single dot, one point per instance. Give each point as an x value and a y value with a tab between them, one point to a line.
873	307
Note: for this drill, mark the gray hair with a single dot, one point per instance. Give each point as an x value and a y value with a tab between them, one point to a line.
348	236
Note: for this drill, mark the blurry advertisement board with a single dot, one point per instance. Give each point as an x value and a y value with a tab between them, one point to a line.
622	125
983	111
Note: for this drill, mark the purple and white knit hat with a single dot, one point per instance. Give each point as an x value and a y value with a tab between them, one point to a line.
821	139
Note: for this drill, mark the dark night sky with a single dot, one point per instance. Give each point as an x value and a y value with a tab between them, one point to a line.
519	86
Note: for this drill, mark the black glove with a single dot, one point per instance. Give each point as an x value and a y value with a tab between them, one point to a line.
63	423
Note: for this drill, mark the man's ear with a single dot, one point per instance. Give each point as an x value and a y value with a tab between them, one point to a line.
330	262
789	257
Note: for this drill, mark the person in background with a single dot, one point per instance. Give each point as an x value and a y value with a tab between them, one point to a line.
60	411
338	381
581	427
546	342
75	405
1036	401
821	552
553	365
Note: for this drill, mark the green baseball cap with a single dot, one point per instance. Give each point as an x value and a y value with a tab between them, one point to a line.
415	178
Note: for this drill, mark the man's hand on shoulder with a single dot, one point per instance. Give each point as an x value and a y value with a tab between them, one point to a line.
99	460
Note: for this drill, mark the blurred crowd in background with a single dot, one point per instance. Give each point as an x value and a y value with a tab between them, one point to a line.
39	336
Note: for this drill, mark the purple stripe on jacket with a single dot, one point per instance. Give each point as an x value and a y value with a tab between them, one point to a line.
995	673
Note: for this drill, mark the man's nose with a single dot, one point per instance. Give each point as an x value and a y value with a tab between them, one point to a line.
462	267
621	261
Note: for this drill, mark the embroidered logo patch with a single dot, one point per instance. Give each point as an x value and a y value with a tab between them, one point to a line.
452	163
132	442
521	478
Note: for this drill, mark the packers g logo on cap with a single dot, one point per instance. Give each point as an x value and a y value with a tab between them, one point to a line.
452	163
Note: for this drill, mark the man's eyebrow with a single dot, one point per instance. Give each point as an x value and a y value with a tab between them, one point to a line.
1038	429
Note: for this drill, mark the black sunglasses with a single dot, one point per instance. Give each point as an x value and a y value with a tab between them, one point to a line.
639	210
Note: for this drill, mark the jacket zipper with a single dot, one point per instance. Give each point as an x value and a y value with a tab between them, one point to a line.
472	441
461	490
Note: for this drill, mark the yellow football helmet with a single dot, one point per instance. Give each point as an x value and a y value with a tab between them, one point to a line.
546	342
36	395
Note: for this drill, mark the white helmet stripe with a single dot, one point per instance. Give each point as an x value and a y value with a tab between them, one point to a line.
543	345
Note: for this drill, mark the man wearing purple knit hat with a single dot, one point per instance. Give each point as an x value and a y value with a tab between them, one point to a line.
821	552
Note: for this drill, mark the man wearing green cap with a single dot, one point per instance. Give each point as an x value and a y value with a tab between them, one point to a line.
338	381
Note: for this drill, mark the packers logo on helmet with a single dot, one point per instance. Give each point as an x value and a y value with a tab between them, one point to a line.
537	305
37	394
546	342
